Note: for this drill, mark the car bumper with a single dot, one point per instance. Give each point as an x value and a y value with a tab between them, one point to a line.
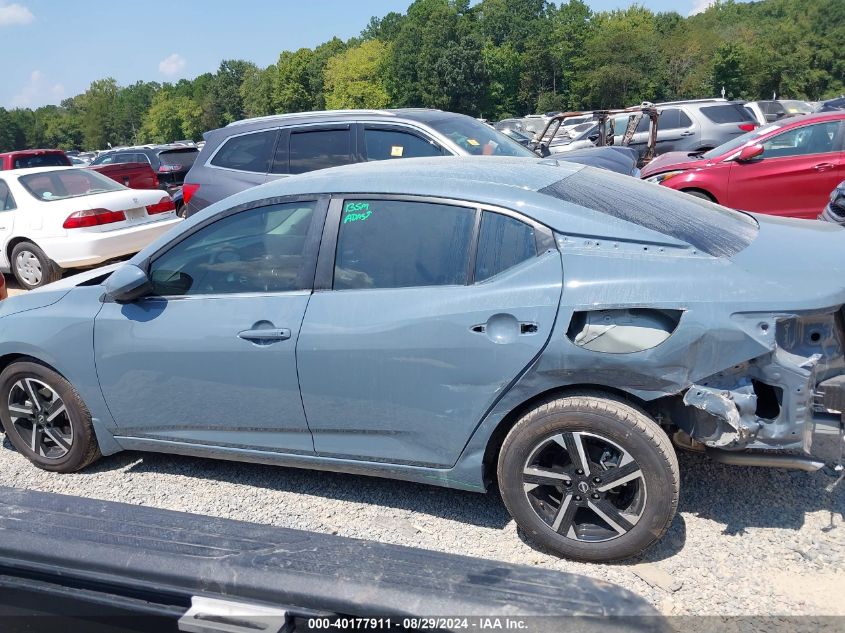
90	249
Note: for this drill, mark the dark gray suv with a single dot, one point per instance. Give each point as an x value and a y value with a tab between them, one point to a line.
254	151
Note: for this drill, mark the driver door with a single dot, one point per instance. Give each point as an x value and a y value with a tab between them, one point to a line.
209	356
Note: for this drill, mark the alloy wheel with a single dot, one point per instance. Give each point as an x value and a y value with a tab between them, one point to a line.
29	268
40	418
584	486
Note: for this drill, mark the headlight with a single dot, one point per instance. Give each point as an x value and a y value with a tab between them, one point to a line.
661	178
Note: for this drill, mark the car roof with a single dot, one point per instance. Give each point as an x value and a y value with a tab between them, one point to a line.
35	170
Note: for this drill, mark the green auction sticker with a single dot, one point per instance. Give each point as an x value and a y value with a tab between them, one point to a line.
356	211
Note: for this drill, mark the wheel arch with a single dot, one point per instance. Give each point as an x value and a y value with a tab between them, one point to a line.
497	437
709	195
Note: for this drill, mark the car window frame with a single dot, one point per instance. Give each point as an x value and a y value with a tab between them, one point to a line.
323	126
14	207
838	139
309	254
324	276
396	127
208	162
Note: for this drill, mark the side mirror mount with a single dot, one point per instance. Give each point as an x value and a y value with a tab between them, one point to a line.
542	150
127	283
749	153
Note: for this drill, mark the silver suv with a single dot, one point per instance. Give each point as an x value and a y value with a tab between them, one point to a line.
692	126
254	151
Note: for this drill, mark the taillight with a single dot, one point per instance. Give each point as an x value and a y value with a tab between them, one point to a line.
164	169
188	191
747	127
93	217
162	206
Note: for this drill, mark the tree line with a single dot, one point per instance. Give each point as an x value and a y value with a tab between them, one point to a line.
495	59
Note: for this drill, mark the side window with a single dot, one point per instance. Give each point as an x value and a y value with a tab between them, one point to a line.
809	139
260	250
387	144
7	202
248	152
670	119
503	242
318	149
685	121
400	244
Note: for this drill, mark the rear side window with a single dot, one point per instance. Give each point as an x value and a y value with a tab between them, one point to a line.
401	244
41	160
319	149
727	113
248	152
7	202
503	242
706	226
388	144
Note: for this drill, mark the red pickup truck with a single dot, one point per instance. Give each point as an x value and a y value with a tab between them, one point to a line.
34	158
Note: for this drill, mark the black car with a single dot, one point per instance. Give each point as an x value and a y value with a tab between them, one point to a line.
170	162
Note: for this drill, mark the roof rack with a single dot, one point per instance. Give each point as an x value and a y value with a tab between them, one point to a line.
290	115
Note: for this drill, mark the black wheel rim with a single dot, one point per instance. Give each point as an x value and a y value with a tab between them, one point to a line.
585	487
40	418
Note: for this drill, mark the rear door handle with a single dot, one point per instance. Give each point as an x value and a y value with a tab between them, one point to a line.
269	334
687	133
824	166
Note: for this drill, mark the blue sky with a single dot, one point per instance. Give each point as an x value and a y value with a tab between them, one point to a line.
53	49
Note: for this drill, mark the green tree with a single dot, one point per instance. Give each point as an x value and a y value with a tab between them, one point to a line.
96	107
257	91
355	78
226	88
292	89
172	117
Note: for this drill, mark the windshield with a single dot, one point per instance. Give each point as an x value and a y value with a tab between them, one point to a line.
738	142
62	184
709	227
797	107
477	138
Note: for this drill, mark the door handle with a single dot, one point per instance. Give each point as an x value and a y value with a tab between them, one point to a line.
687	133
269	334
824	166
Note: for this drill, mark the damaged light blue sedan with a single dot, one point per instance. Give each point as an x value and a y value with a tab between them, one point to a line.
549	327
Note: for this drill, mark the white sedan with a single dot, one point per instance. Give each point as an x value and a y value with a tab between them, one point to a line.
63	217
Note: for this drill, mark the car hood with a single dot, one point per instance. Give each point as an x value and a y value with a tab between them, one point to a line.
674	160
794	264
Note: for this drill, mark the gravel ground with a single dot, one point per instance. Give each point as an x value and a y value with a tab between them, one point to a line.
745	542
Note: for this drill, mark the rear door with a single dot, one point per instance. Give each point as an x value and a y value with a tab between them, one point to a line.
795	174
411	337
311	147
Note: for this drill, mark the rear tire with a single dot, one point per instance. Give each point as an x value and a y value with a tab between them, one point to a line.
31	266
45	419
616	507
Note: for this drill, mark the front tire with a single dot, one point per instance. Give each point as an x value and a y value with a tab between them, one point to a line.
45	419
590	477
695	193
31	266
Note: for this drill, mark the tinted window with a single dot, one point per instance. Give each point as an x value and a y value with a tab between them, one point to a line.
503	242
179	157
69	183
260	250
393	244
685	121
319	149
7	202
41	160
387	144
479	139
728	113
670	119
250	152
706	226
810	139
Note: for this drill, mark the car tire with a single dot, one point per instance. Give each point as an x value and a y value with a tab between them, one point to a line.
56	433
31	266
695	193
598	516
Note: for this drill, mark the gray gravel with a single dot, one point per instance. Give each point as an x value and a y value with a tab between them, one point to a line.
746	541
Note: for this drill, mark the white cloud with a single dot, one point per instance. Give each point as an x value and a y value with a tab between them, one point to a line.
172	65
11	14
38	91
700	6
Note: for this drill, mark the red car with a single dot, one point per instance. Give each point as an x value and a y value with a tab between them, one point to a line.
34	158
788	167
